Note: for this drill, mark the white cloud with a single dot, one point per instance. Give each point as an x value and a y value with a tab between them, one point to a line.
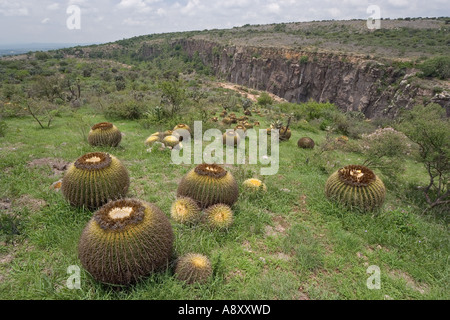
106	20
273	7
399	3
53	6
10	8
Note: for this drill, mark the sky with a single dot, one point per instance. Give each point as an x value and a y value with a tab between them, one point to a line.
101	21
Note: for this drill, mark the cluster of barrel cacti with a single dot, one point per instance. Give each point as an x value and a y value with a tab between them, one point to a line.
170	138
205	195
126	239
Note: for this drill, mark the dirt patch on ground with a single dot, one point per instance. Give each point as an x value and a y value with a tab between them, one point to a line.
5	204
59	166
280	226
236	273
410	282
248	93
33	204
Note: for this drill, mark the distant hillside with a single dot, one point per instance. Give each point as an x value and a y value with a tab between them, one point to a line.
15	49
376	72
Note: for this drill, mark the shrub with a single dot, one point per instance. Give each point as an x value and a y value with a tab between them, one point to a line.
438	67
315	110
386	149
430	129
123	107
41	55
264	99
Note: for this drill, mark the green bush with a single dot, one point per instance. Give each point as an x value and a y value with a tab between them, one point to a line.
124	107
386	150
41	55
264	99
438	67
429	127
316	110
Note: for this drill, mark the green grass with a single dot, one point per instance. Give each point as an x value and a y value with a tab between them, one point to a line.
291	243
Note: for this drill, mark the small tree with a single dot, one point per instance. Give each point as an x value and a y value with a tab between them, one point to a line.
173	95
430	129
385	149
42	111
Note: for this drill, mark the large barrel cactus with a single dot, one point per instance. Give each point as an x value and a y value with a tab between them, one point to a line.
209	184
306	143
104	134
126	240
94	179
356	186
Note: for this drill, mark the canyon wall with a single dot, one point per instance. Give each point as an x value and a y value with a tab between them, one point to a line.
352	83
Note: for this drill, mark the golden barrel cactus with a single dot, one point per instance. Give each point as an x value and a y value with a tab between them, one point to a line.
219	216
305	143
192	268
104	134
185	210
126	240
94	179
356	186
231	138
209	184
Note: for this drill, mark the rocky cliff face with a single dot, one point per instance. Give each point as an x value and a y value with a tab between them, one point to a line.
352	83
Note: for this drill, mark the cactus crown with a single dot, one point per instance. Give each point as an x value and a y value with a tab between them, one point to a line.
102	126
277	124
211	170
356	175
117	215
93	161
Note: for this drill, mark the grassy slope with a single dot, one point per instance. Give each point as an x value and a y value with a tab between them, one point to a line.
291	243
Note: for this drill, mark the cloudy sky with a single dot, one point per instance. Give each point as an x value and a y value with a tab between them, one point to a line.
46	21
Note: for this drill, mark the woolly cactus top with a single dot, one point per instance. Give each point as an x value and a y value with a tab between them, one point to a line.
102	126
356	175
93	161
118	214
211	170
